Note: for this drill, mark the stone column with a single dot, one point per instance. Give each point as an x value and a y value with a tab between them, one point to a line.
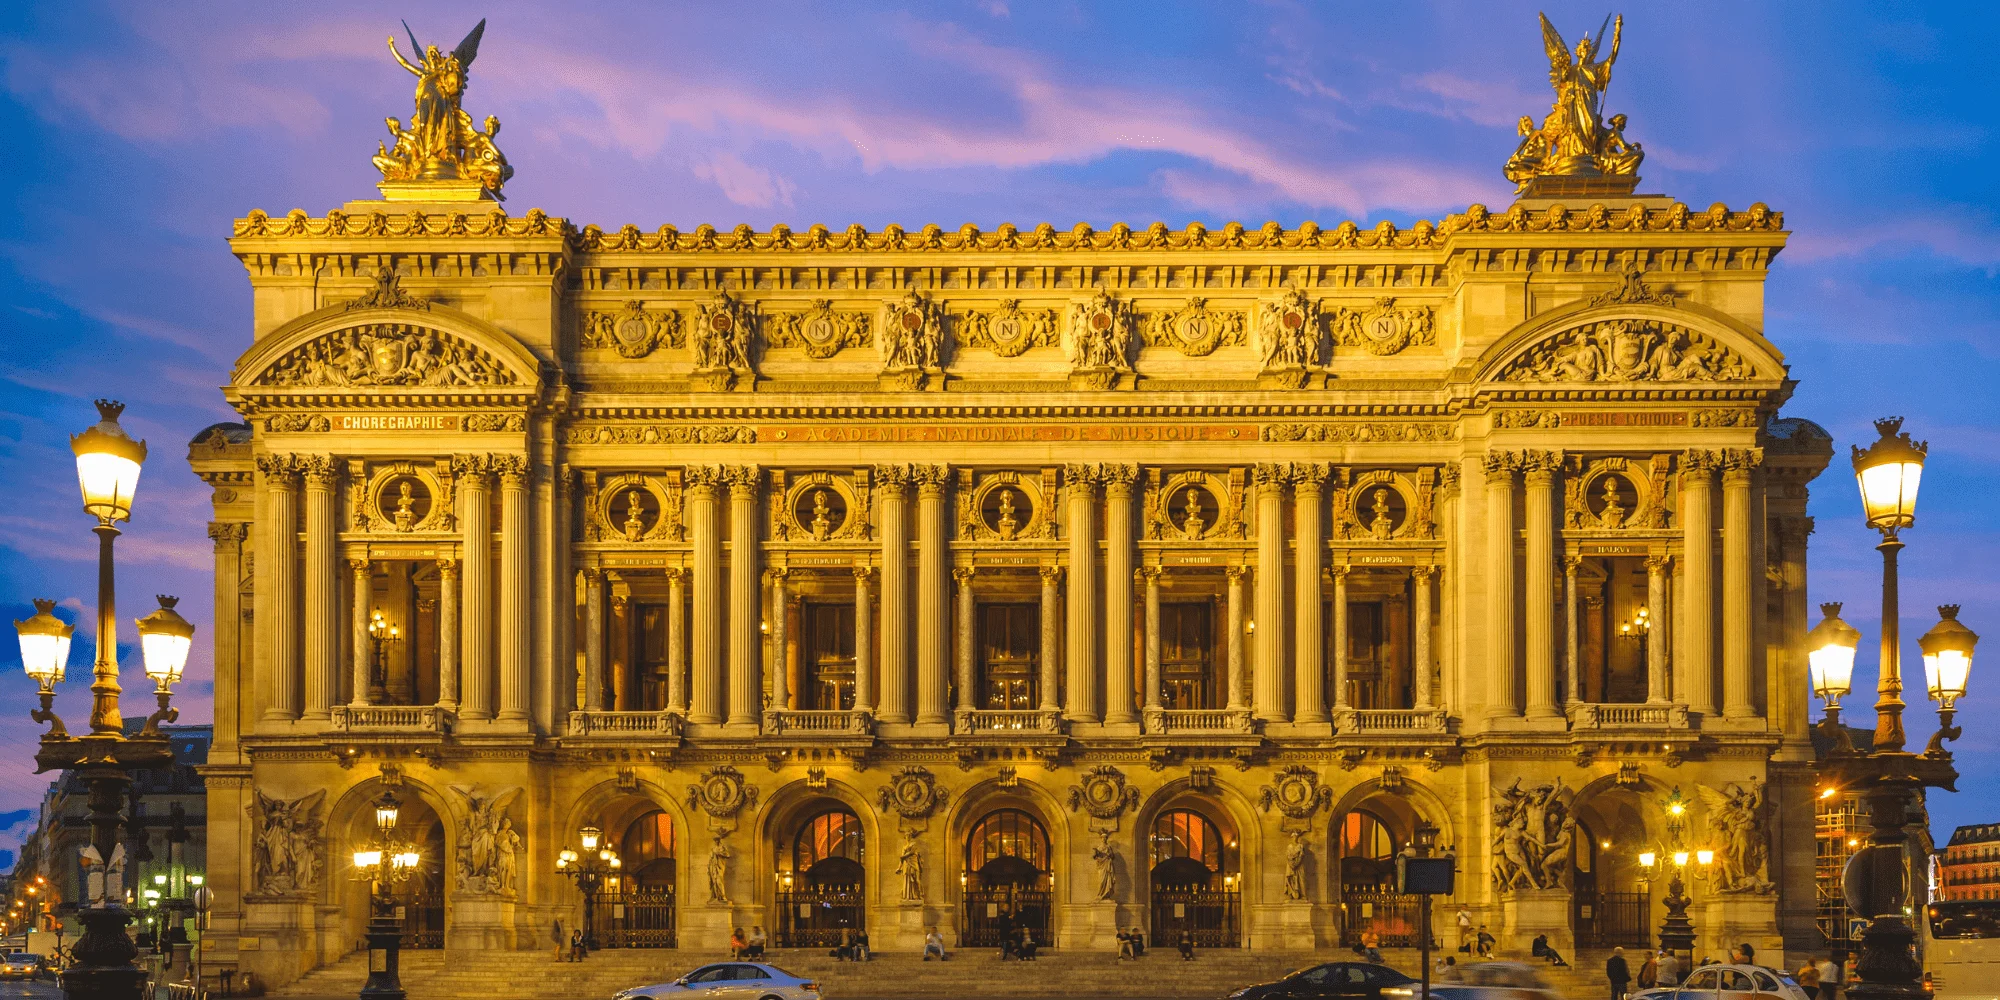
864	641
593	639
363	647
1051	638
967	647
677	661
1502	700
1235	641
515	630
1741	569
1540	610
1420	649
1309	642
895	665
1657	691
475	515
1572	623
447	632
1155	697
322	586
280	551
1118	585
1081	654
780	641
1339	637
704	485
1698	605
746	604
933	598
1269	696
232	690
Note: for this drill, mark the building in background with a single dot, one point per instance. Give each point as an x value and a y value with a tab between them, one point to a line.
1969	865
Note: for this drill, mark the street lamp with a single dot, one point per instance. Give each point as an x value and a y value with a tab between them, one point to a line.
588	870
1676	931
384	864
107	469
1876	880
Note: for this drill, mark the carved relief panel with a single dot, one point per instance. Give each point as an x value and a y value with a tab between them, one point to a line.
820	331
401	497
820	506
1008	331
633	507
1384	505
1383	328
1194	506
1616	494
1195	329
633	331
1006	506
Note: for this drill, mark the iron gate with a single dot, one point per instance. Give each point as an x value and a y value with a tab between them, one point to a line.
814	916
423	919
990	912
640	918
1394	918
1210	913
1614	919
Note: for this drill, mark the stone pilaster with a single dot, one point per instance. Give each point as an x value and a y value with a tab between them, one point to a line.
781	609
1340	630
230	717
864	641
447	632
1572	617
1658	691
1051	638
968	682
279	557
1149	577
593	639
1423	662
677	659
1234	641
361	643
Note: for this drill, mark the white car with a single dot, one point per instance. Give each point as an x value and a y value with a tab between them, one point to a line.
1730	982
730	981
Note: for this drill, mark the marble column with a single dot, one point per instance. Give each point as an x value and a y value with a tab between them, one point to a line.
1657	690
895	598
1503	699
1119	581
1572	622
1051	638
593	639
1309	642
933	598
1697	605
1234	642
1268	698
1422	662
704	485
968	682
746	603
1154	695
279	551
447	632
1340	638
781	609
475	515
1081	650
363	646
322	588
515	630
1540	605
864	641
1741	570
677	661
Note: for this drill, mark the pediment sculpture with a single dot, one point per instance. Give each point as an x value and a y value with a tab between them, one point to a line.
386	354
285	849
1628	350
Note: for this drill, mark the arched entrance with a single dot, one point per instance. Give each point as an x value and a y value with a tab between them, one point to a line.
418	903
641	899
1194	881
1007	881
1613	903
821	874
1366	840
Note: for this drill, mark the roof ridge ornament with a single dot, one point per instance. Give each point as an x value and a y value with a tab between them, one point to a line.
1576	151
388	293
439	156
1632	289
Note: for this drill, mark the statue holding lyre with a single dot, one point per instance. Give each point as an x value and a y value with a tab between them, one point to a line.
1574	139
440	143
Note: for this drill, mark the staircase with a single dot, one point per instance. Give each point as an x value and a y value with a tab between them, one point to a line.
521	975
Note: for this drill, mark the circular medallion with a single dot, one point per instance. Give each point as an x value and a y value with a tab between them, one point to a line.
1100	321
721	323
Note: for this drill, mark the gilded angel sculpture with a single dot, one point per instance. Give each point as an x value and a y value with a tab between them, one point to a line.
440	142
1575	140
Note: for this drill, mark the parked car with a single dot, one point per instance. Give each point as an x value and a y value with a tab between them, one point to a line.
730	981
1730	982
1493	981
1334	979
21	965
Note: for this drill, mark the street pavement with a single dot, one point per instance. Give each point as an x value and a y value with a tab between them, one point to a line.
15	989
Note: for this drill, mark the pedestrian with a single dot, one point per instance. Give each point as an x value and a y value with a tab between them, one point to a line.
1464	931
1829	978
1649	972
757	940
577	951
933	944
1187	944
562	942
1808	977
1371	947
1746	954
1670	969
1620	976
1486	943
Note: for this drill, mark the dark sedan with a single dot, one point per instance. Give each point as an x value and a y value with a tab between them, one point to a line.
1357	980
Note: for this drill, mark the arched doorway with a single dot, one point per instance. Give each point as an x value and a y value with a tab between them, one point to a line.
821	874
1007	881
1366	840
1194	883
421	900
641	899
1613	902
417	904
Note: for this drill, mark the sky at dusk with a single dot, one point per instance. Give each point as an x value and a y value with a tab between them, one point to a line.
137	132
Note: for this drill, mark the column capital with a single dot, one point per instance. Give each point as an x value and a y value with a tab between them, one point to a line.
447	566
1571	564
1738	463
1448	479
1308	476
744	481
931	480
472	468
963	574
673	574
1423	574
892	478
702	478
1271	477
1500	466
321	472
281	470
1658	564
1700	462
863	573
1540	465
1081	476
592	575
513	470
1148	575
360	566
228	534
1051	575
777	574
1118	478
1234	573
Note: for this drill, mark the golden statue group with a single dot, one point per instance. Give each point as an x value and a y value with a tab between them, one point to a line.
1575	140
440	143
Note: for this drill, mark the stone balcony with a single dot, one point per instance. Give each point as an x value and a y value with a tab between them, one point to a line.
986	721
392	720
1199	721
1658	715
825	725
637	726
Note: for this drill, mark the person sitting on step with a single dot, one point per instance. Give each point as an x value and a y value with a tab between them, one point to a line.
1187	944
1541	949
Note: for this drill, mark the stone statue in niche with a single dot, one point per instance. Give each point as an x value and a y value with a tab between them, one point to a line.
1007	524
1295	866
406	514
910	865
285	848
1105	858
718	873
635	515
822	524
1381	525
1192	523
1613	514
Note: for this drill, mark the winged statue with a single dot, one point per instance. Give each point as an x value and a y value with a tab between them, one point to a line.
1575	139
440	142
1736	818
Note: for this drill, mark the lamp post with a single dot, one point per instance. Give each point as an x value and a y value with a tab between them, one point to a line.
1676	931
107	466
588	870
1876	880
384	864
